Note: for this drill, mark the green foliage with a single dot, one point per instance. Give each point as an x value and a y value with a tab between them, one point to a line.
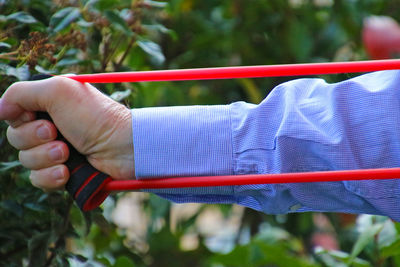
272	245
88	36
63	18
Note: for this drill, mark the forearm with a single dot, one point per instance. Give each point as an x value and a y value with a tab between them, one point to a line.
184	141
303	125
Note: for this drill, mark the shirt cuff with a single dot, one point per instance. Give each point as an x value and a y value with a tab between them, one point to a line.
183	141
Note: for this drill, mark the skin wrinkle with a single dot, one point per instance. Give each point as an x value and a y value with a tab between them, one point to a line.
99	153
122	117
81	95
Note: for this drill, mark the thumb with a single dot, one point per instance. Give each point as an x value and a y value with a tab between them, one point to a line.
28	96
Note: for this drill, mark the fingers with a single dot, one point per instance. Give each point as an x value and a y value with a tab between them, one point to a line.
44	156
45	161
31	134
49	179
40	152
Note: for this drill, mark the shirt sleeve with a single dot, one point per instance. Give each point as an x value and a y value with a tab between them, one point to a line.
303	125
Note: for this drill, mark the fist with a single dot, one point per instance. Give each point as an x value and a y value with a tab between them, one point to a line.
93	123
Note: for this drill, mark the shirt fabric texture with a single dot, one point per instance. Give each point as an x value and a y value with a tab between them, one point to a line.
303	125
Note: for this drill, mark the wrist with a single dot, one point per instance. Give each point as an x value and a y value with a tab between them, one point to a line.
117	154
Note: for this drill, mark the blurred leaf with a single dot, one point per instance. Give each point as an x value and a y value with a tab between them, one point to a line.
253	93
364	222
42	70
396	260
102	5
22	17
80	258
37	249
161	28
84	24
123	261
118	22
160	206
388	234
104	261
4	45
279	255
397	226
272	234
256	254
5	166
68	62
12	206
338	258
156	3
120	95
260	254
99	219
364	239
62	262
238	257
43	197
392	250
35	207
299	41
153	50
21	73
63	18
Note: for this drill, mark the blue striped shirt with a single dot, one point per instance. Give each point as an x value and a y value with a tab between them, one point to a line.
302	125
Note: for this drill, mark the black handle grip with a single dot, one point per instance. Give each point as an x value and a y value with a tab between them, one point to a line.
85	183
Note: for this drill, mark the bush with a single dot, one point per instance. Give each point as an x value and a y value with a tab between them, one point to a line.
71	36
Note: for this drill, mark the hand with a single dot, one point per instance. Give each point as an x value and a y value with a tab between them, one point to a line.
94	124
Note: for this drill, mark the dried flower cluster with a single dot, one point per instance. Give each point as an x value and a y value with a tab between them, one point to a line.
30	50
39	46
73	39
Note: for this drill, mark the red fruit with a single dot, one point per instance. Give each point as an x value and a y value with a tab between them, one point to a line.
381	37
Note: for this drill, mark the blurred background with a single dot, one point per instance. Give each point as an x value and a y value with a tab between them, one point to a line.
138	229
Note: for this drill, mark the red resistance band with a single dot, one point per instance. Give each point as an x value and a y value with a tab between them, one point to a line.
241	72
90	187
